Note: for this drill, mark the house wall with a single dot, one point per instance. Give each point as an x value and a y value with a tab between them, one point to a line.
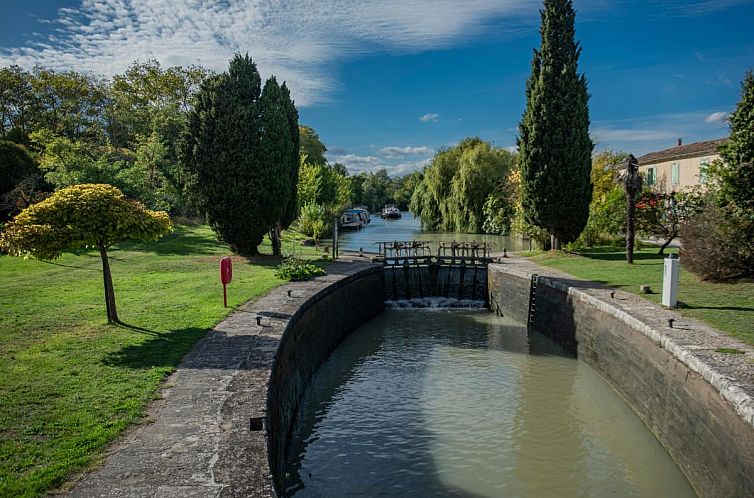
689	173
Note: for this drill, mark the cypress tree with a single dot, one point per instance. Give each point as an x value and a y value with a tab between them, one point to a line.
221	150
275	147
554	144
291	213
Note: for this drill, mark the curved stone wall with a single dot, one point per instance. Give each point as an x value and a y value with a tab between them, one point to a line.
697	401
314	329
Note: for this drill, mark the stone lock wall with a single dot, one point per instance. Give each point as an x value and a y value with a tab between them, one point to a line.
696	402
312	333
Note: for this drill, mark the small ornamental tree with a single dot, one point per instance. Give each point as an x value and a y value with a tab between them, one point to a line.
87	215
662	215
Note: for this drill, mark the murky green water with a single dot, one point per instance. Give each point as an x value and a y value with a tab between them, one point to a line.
463	403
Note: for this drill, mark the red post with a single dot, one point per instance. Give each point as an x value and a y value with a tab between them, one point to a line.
226	275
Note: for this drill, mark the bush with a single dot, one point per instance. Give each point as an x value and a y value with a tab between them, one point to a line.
296	270
312	220
718	245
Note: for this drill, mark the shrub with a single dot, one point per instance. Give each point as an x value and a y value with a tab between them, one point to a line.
296	270
718	245
313	220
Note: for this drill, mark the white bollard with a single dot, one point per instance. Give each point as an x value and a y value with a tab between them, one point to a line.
670	281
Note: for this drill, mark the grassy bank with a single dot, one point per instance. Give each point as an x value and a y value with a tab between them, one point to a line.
727	307
71	383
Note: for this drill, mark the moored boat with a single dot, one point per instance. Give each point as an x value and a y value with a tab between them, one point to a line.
391	212
350	220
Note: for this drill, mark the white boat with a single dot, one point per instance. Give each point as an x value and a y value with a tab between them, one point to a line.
391	212
363	214
350	221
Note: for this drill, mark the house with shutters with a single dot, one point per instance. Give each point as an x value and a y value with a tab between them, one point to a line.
679	167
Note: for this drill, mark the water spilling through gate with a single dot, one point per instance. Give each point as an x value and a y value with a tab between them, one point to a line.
454	271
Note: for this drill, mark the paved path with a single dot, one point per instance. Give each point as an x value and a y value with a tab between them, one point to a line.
196	441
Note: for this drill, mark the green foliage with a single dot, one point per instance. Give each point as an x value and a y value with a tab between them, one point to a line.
297	270
377	190
607	211
15	164
293	160
554	144
499	210
79	216
312	220
662	214
91	130
719	244
310	145
404	189
237	147
321	184
458	183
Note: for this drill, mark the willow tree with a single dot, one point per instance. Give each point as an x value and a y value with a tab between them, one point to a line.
87	215
554	144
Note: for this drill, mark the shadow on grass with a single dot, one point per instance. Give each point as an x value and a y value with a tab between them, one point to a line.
720	308
214	350
161	349
181	242
612	254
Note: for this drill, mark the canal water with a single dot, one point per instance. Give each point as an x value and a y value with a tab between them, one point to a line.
462	403
409	228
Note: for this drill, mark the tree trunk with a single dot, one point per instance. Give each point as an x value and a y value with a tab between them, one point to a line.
277	244
554	242
112	312
630	208
666	244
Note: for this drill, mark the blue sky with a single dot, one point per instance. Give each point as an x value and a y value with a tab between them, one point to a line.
387	83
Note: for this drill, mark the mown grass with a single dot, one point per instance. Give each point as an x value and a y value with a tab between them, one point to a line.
70	382
728	307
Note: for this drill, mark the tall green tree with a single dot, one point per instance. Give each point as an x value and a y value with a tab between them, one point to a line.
554	144
735	174
293	159
311	146
275	155
719	243
220	148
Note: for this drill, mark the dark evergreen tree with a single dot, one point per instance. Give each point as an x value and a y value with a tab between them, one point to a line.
554	144
275	148
291	212
221	149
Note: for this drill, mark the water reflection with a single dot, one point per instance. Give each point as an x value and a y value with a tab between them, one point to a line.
409	228
463	403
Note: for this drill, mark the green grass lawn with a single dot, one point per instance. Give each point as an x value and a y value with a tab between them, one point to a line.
727	307
70	382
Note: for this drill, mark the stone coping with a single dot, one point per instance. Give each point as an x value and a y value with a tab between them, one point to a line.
198	438
689	341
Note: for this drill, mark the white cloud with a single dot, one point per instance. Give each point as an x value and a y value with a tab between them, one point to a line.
405	168
359	164
430	116
631	135
716	117
404	151
297	40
